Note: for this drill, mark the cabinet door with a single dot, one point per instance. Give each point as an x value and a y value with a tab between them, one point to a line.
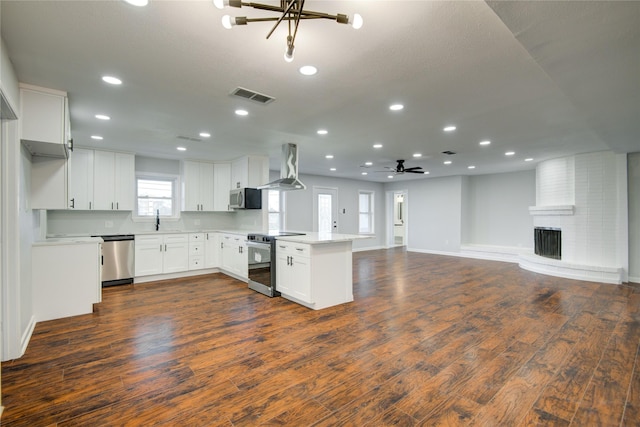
212	250
176	253
242	261
301	278
148	255
206	187
191	187
49	183
42	117
103	180
228	252
239	173
221	186
124	181
283	273
81	179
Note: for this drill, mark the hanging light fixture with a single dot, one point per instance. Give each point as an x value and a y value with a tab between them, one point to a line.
291	11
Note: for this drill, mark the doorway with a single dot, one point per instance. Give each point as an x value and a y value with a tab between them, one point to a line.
397	212
325	210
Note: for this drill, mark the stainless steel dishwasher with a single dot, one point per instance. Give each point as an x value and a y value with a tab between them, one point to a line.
117	259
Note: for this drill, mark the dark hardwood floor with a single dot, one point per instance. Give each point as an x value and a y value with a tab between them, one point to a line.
429	340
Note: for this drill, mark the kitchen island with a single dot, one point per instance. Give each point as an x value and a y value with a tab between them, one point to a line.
315	269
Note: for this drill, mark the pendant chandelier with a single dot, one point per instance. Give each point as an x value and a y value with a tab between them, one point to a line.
291	11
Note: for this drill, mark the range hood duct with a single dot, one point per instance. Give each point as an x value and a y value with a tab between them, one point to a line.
288	171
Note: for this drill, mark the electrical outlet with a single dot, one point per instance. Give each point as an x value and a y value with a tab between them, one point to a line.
108	224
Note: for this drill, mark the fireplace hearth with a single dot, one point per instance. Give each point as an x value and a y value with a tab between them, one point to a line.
548	242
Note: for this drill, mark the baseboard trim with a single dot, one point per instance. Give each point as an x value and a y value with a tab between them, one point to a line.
369	248
157	277
567	270
634	279
26	336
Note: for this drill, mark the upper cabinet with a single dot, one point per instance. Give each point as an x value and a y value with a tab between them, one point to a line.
198	188
113	181
221	185
81	179
249	171
44	121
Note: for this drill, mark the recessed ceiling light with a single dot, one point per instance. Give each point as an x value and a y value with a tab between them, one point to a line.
449	129
308	70
509	153
528	159
181	149
322	132
102	117
365	173
396	107
98	137
447	162
368	163
426	172
390	176
111	80
139	3
377	145
487	142
417	155
205	134
332	169
329	156
242	112
471	167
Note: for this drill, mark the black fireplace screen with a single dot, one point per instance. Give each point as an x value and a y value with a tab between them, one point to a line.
548	242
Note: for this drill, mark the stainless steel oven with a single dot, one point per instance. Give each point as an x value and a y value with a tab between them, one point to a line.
262	262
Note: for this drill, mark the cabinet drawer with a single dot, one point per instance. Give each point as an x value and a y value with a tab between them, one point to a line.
196	262
298	249
196	249
196	237
175	238
145	239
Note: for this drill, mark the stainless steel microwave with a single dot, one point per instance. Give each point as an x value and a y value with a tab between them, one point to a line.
245	198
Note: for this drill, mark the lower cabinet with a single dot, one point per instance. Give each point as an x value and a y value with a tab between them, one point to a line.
234	255
161	253
196	251
211	250
293	270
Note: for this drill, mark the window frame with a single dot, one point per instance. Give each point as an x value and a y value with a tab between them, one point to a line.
175	197
370	212
281	212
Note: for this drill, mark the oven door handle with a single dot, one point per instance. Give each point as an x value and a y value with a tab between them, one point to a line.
258	245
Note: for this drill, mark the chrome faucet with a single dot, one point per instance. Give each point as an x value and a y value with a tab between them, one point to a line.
157	219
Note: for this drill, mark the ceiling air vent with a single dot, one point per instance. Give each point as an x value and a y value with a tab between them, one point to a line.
188	138
251	95
448	153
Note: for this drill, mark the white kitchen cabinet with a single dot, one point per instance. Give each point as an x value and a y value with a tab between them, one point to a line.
249	171
49	183
198	186
80	166
197	251
66	279
114	181
221	186
293	270
161	253
211	250
234	255
44	121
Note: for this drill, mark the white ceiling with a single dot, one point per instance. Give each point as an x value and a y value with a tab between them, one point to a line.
543	79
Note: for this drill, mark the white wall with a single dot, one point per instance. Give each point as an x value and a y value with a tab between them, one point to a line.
299	206
497	209
633	161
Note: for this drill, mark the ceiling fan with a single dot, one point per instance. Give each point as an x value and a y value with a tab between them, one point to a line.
400	169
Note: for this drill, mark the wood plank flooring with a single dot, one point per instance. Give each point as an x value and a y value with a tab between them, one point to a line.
429	340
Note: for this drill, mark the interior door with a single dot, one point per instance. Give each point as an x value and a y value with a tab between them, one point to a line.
325	209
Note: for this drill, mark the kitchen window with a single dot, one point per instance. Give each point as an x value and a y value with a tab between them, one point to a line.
157	194
276	210
365	209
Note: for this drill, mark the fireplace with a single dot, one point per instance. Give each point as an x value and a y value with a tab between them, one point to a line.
548	242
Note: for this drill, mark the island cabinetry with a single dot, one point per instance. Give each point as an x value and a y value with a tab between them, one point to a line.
196	251
114	180
211	250
293	270
161	253
197	179
314	275
234	256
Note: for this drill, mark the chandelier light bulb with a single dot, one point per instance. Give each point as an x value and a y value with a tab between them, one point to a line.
288	54
226	22
357	21
219	4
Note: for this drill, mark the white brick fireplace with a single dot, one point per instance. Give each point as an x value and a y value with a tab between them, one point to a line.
585	196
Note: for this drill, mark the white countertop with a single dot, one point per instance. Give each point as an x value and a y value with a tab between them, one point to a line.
78	240
313	238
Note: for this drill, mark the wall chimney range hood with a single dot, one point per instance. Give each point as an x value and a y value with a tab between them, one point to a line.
288	171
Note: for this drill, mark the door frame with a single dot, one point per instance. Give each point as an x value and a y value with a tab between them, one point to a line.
321	190
389	232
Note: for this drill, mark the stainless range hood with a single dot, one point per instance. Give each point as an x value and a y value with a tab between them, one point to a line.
288	171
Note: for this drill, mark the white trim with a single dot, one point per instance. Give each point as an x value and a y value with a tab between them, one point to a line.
495	253
634	279
552	210
370	212
369	248
26	336
567	270
158	277
176	198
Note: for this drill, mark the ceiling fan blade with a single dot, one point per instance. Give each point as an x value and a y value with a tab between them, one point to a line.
412	169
